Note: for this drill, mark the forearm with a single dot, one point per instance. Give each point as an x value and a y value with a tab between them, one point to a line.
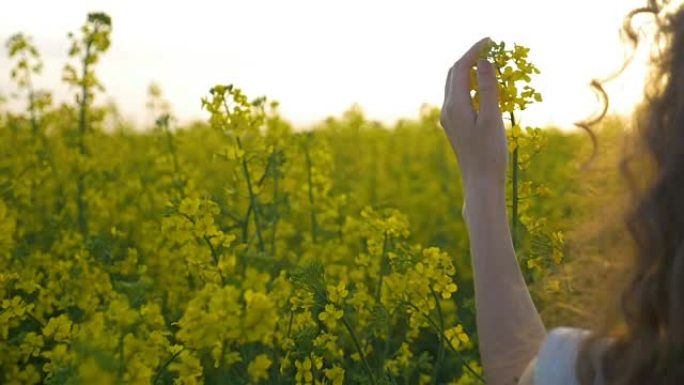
509	327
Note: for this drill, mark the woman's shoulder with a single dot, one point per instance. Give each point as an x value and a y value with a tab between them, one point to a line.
555	362
557	356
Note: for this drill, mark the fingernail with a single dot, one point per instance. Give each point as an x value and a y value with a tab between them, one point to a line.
486	44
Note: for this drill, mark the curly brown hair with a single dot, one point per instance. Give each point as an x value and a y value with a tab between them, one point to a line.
648	338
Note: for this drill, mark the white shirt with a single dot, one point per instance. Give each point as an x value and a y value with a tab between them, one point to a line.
555	363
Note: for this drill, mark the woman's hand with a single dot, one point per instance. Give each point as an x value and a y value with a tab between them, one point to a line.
509	327
477	137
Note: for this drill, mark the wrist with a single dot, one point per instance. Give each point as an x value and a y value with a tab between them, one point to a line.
484	200
484	188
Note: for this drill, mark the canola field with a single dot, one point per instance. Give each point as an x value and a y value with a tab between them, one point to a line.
239	250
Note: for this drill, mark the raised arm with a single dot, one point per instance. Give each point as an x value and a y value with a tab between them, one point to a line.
509	328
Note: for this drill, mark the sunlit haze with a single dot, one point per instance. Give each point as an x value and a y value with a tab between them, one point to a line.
319	57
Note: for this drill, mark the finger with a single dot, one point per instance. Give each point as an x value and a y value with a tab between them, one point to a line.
447	84
460	79
489	92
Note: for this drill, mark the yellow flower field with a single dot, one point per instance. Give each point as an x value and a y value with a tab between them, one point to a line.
241	251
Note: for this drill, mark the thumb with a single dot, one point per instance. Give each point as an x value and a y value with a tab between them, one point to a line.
489	91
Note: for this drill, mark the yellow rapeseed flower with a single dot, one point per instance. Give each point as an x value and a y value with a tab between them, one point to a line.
304	375
258	368
335	375
330	315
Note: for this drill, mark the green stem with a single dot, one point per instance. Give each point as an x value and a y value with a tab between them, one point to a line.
289	324
449	345
212	249
31	96
314	227
275	204
49	156
383	268
215	257
252	196
245	225
123	363
269	163
272	165
359	350
81	203
164	123
514	180
33	317
165	365
440	351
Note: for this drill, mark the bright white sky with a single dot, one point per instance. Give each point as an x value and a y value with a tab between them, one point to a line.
319	57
